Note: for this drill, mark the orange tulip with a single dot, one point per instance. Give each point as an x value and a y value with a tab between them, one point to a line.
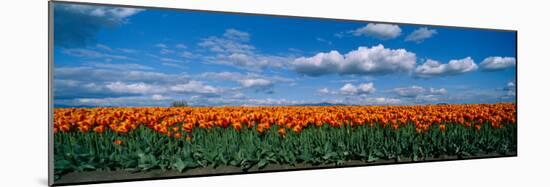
442	127
237	126
282	132
166	120
99	129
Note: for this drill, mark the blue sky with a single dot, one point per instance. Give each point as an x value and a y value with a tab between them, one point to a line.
113	56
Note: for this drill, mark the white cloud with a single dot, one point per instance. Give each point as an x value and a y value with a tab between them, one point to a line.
350	89
181	46
116	101
85	21
255	82
496	63
320	64
111	81
233	49
509	91
161	45
440	91
420	94
243	101
235	34
237	77
103	47
88	53
129	51
323	91
432	68
366	100
382	101
376	60
238	95
378	30
195	87
159	97
411	91
174	65
115	14
163	59
166	51
187	54
244	60
225	44
234	76
428	99
123	66
260	83
136	88
271	102
420	34
322	40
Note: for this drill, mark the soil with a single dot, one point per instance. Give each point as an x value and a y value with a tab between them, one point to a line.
90	177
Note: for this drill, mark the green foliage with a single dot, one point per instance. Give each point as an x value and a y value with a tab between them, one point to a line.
144	149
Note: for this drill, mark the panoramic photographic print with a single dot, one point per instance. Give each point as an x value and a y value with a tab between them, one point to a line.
147	93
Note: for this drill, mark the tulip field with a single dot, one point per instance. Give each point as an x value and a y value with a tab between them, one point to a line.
184	138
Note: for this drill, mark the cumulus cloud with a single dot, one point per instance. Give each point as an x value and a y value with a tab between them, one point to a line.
77	25
378	30
324	91
376	60
361	89
320	64
497	63
431	68
420	34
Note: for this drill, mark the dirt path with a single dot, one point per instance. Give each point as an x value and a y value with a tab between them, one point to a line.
122	176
